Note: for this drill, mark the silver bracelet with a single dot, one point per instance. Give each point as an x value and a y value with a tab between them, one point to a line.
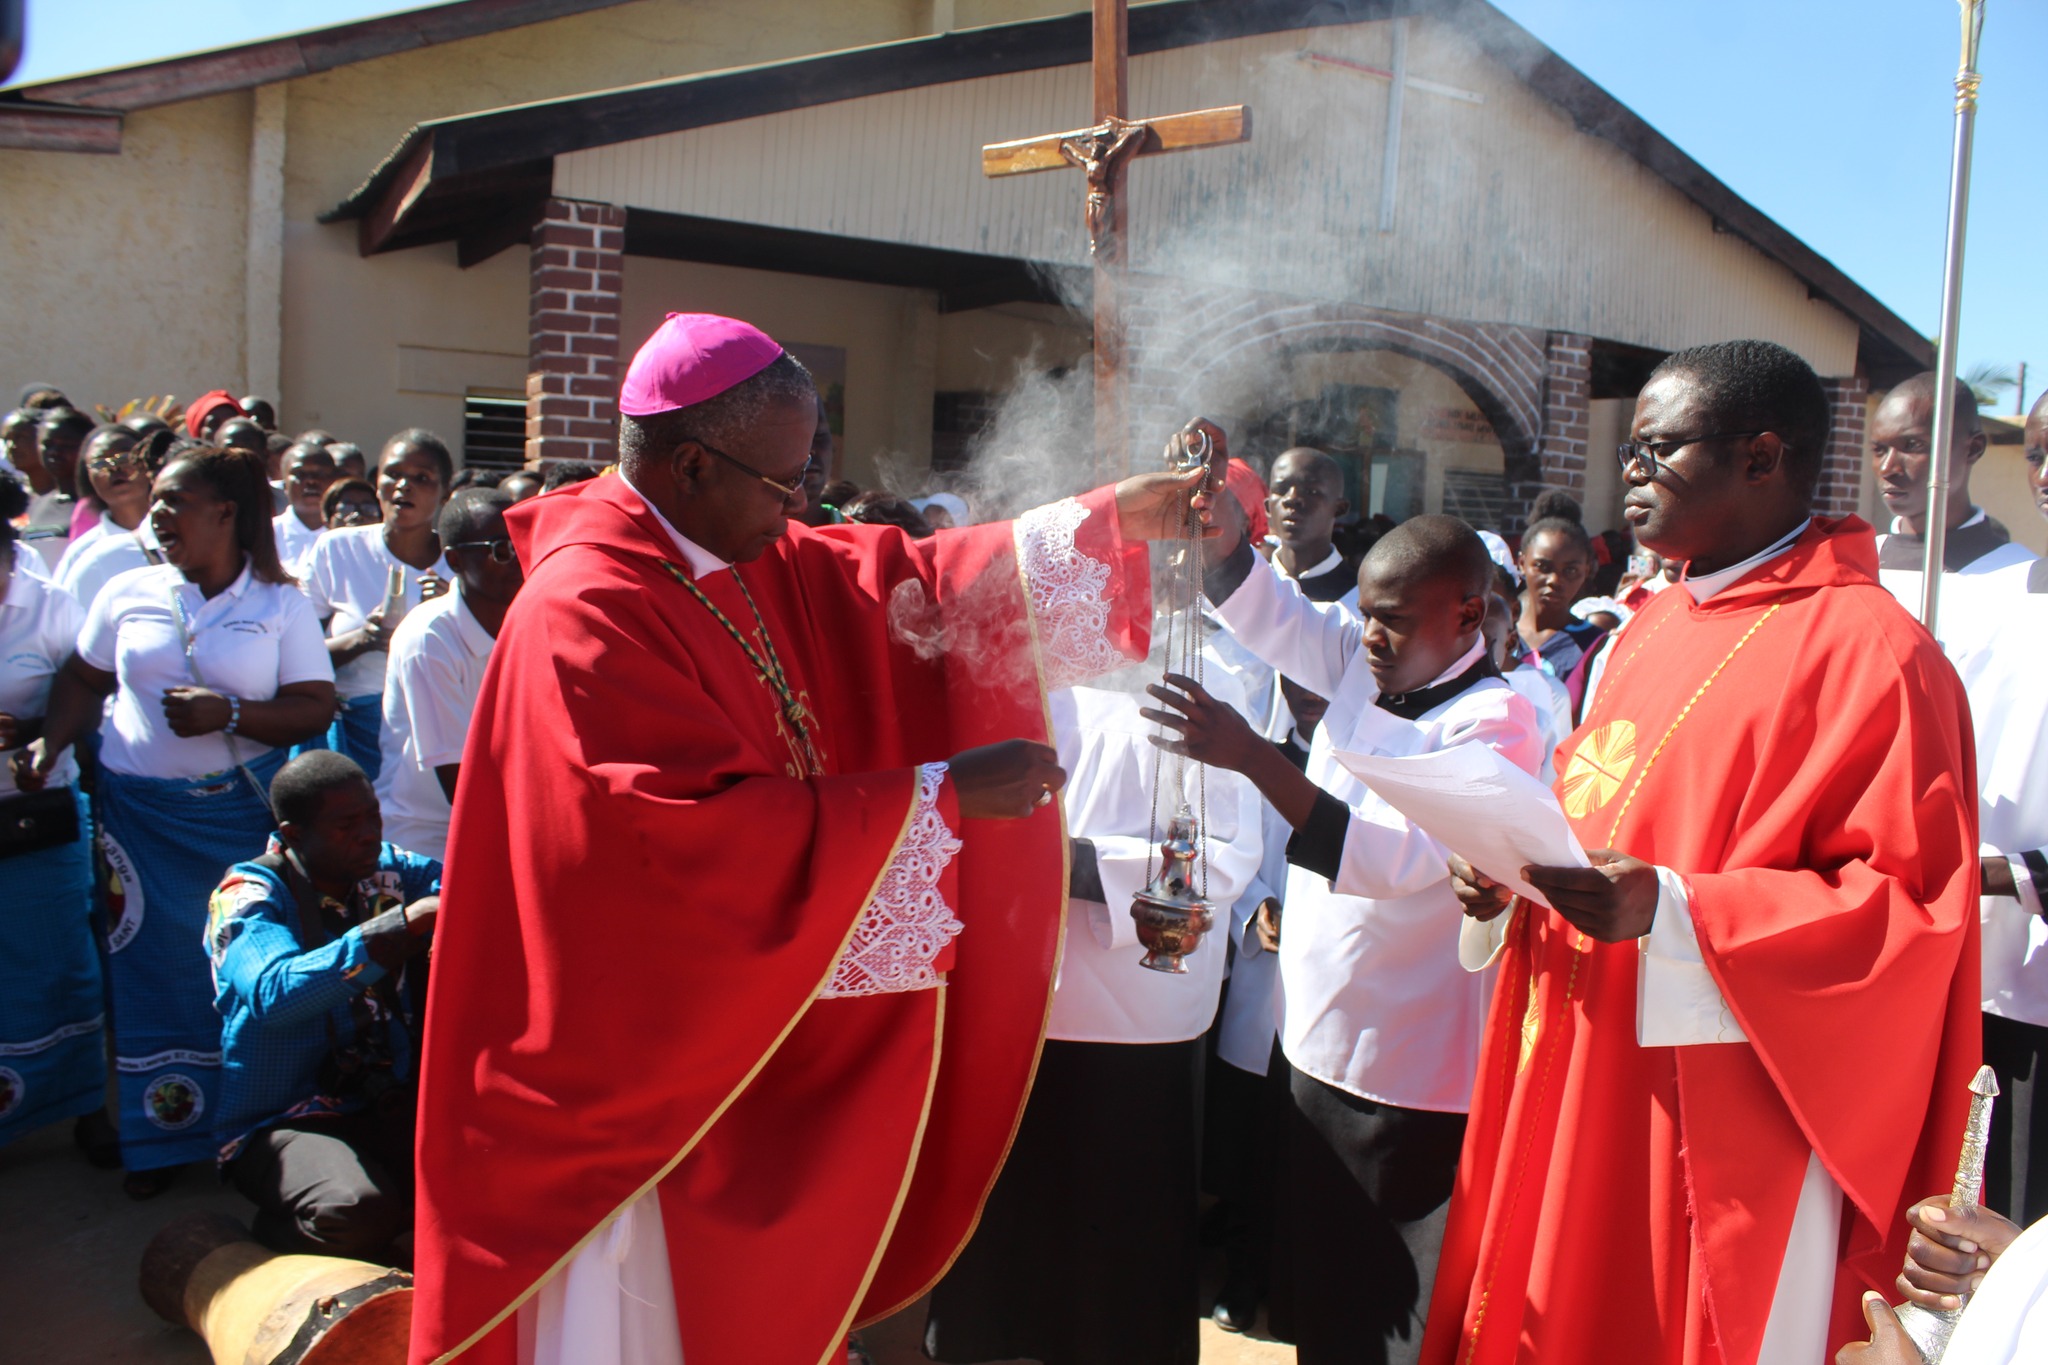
234	714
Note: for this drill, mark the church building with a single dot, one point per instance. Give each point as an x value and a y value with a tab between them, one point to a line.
1443	253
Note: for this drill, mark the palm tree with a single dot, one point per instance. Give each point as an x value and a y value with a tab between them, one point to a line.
1988	383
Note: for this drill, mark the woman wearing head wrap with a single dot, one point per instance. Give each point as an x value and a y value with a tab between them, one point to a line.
52	1058
214	664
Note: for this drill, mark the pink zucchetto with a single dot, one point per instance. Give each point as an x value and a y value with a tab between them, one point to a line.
692	357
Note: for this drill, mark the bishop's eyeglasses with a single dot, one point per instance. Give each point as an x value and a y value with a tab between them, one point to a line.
787	488
1653	456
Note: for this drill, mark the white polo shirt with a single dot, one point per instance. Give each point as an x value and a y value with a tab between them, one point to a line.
248	641
344	579
83	541
39	624
438	657
295	542
107	559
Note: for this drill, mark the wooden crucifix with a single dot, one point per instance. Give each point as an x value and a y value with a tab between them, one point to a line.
1101	153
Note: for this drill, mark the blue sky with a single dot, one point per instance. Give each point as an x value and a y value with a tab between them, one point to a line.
1832	116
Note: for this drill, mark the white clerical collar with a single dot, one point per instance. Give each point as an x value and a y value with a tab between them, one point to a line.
1465	661
1976	515
1707	585
1331	562
700	560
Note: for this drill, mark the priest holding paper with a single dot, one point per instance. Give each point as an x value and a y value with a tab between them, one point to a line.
1379	1026
1725	1057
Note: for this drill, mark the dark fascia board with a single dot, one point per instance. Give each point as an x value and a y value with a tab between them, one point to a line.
298	54
476	144
30	127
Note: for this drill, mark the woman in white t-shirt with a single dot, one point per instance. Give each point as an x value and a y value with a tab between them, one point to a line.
52	1018
350	578
111	476
215	666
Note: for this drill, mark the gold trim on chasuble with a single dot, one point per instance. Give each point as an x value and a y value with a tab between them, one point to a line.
1594	773
1059	946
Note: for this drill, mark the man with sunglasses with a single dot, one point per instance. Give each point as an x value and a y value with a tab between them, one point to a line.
438	656
1725	1056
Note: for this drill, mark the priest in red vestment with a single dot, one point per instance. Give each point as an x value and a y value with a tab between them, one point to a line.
755	889
1718	1071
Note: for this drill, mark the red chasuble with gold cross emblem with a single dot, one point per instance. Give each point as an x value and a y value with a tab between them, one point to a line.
1799	750
665	841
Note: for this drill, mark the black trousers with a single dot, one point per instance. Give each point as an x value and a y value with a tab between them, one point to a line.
2016	1166
1086	1252
333	1186
1364	1191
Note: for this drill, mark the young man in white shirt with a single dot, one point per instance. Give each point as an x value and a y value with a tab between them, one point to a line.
1087	1252
1379	1023
438	656
308	470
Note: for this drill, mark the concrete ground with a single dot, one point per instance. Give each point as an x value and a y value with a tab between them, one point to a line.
71	1243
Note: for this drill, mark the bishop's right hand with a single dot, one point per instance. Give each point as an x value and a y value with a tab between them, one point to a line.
1005	781
1482	897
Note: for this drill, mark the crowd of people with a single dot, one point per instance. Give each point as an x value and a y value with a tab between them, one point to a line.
251	685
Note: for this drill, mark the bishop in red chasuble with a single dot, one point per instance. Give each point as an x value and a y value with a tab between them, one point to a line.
723	936
1781	761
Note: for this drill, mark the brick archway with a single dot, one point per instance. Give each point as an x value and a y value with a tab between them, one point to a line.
1532	386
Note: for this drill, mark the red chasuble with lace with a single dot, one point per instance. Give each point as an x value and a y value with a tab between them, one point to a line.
650	882
1798	748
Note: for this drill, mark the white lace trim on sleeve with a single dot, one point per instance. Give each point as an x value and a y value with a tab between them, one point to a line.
908	923
1067	595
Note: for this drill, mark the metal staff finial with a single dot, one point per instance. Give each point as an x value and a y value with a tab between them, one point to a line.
1931	1328
1967	82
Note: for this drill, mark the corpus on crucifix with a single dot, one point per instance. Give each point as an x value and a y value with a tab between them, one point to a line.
1100	153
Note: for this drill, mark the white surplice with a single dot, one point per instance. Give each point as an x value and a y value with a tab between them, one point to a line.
1373	1000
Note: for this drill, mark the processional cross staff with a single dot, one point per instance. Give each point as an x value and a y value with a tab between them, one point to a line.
1101	153
1942	459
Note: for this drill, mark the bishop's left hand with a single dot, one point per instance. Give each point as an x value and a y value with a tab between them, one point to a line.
193	711
1612	901
1210	732
1888	1344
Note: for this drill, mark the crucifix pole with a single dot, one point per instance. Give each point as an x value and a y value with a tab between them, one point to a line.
1112	71
1100	152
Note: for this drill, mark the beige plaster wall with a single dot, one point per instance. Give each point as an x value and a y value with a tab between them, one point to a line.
1999	485
983	350
123	276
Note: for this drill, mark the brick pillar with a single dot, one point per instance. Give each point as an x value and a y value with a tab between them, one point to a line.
572	341
1567	409
1840	489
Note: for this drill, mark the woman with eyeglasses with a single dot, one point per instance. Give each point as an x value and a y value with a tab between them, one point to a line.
52	1017
363	580
88	569
350	502
215	665
110	480
438	656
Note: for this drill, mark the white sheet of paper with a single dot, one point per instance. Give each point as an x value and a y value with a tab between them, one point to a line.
1480	806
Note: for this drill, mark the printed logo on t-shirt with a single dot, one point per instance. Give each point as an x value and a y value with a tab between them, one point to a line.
12	1090
29	661
246	627
124	892
173	1102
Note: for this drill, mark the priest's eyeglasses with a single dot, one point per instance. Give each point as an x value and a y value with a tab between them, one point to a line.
789	488
499	549
1653	456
